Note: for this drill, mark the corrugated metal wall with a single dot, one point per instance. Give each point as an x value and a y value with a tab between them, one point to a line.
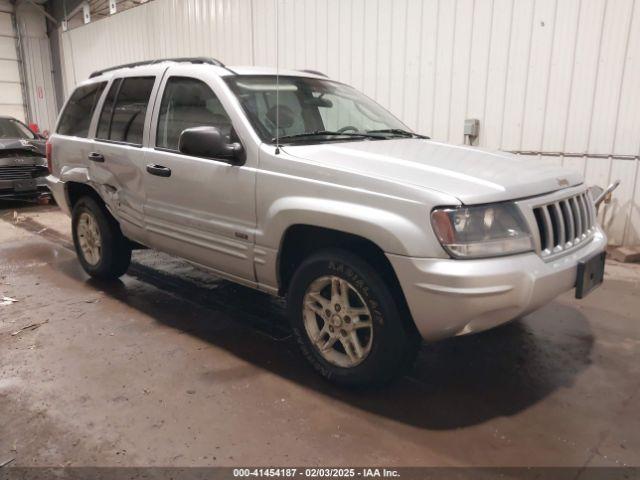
553	76
12	102
25	66
38	67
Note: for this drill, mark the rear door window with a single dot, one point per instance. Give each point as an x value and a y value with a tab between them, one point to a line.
124	111
76	117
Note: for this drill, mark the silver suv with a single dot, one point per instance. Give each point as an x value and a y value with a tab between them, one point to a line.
303	187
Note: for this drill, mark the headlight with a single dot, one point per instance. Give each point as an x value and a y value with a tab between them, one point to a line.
484	231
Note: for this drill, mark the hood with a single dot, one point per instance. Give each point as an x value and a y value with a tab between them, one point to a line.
472	175
22	152
22	144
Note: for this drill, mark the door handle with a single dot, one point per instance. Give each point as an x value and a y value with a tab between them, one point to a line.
159	170
96	157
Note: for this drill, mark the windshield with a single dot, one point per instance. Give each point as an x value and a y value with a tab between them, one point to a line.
10	128
311	110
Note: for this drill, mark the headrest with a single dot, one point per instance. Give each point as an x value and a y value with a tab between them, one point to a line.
285	114
188	97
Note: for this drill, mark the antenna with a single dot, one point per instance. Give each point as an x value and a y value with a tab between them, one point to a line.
277	83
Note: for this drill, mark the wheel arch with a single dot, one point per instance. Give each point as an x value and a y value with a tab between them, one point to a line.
302	240
76	190
392	232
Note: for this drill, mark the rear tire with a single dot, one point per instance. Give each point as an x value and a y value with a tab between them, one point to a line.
103	251
347	322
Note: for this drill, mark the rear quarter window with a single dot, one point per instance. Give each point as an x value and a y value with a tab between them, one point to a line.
76	117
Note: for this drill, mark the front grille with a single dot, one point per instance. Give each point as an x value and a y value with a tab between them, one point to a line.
21	172
565	223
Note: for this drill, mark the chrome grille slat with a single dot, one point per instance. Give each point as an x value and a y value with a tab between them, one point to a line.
564	223
585	211
577	217
562	236
571	226
548	229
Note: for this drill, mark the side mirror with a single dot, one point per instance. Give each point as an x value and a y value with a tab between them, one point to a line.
208	142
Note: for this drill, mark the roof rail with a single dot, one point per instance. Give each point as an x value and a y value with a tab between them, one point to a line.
315	72
203	60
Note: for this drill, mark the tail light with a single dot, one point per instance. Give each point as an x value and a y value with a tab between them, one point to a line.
49	152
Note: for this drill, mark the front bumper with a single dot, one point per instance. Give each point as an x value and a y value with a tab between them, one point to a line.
7	189
456	297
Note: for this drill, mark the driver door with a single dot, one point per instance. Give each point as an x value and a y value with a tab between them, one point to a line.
201	209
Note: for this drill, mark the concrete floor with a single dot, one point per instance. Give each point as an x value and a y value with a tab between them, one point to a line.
172	366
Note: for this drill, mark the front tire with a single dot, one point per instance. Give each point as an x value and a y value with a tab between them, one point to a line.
347	322
102	249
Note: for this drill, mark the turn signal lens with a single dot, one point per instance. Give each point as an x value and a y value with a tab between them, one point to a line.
442	225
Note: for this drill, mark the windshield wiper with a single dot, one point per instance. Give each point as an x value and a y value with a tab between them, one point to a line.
399	131
320	133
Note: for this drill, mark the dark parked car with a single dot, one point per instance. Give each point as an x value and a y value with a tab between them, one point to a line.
23	164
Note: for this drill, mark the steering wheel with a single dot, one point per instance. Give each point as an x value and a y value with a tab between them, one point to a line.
348	127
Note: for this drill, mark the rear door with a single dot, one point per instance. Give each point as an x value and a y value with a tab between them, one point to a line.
71	141
201	209
116	160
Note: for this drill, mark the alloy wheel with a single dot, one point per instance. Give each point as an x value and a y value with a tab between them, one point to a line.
89	238
338	321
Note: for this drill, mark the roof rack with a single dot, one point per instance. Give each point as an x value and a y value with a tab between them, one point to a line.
315	72
201	60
